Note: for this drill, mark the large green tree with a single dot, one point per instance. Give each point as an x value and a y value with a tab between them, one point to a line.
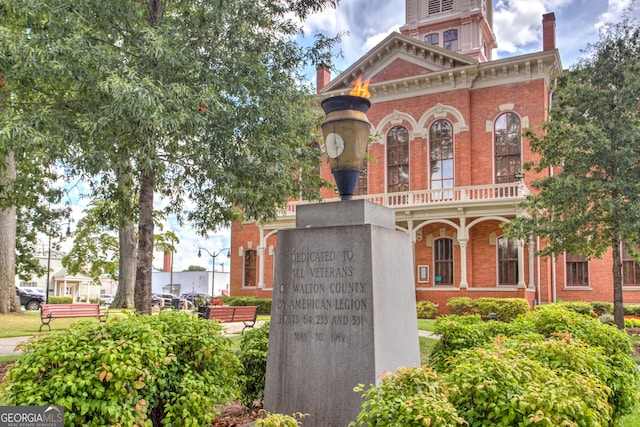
199	101
591	142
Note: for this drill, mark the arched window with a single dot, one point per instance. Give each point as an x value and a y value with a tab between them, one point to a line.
630	269
433	39
443	261
250	268
507	147
398	159
507	261
441	157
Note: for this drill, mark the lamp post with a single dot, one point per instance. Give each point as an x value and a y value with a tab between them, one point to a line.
68	233
213	256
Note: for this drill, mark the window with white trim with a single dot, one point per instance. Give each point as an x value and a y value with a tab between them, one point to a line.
398	159
507	261
250	268
443	261
507	148
577	270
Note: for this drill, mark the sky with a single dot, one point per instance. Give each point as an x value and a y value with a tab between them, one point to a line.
517	26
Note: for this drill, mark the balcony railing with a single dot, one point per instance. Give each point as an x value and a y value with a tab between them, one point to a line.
476	194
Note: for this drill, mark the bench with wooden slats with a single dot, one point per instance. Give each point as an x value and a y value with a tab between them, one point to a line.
245	314
48	312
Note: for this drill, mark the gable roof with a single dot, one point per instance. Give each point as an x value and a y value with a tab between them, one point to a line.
381	62
400	67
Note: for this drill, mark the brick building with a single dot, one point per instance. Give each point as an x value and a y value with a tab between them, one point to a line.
447	159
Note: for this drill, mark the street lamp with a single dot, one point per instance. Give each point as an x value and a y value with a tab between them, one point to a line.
68	233
213	256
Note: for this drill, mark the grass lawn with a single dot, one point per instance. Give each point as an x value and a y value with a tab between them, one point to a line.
426	324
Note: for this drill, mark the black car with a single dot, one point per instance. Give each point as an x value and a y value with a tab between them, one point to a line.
30	301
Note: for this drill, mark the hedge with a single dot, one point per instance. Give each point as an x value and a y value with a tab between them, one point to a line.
168	369
507	309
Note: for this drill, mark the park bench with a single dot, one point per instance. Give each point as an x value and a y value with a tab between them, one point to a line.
48	312
245	314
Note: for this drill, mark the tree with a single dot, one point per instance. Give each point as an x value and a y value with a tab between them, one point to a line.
591	203
201	99
195	268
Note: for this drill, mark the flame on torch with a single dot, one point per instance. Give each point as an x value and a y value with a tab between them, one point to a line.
360	89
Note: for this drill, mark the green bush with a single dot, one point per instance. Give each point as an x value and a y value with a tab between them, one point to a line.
253	356
631	323
411	397
426	309
579	307
632	310
264	304
500	386
601	308
135	370
607	319
60	299
507	309
459	333
459	305
279	420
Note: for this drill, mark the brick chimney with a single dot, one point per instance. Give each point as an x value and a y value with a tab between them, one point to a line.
548	31
166	264
323	76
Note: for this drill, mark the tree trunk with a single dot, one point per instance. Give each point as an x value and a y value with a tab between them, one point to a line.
8	300
127	242
618	307
125	295
145	246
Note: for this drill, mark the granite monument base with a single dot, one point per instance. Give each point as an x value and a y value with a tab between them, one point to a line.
343	310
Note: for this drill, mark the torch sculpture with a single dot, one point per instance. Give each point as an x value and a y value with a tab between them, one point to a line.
346	131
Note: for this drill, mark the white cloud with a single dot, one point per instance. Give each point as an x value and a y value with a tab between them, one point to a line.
614	11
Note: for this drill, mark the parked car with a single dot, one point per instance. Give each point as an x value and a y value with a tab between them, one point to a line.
106	299
165	301
30	301
191	298
34	291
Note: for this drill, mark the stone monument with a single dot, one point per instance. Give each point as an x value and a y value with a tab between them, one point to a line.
343	308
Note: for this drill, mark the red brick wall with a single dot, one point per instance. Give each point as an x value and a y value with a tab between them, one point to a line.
473	166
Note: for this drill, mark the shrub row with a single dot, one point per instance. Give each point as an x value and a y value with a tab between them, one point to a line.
60	299
133	370
264	304
507	309
552	367
598	308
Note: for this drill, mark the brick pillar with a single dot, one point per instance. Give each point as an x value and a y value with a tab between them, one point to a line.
548	31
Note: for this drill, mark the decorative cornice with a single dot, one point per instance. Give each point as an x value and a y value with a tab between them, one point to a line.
450	71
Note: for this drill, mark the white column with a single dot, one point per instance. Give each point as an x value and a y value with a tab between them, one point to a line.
463	239
521	283
532	279
260	251
463	262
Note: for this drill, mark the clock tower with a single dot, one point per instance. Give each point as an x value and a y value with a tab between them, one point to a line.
462	26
